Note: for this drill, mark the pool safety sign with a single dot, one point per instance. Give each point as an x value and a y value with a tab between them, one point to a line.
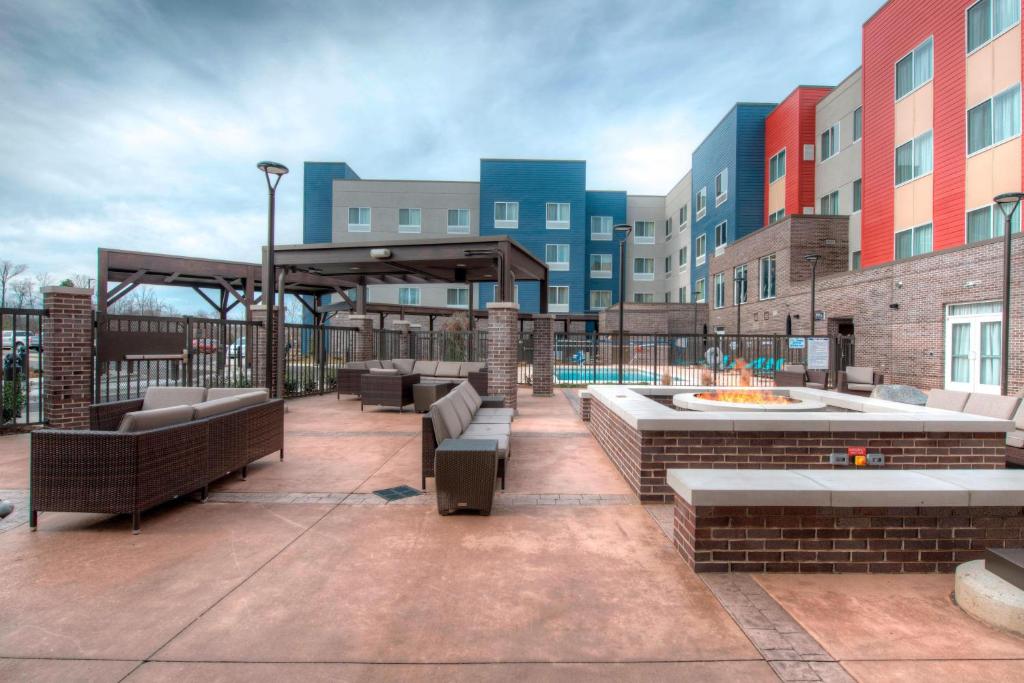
817	353
797	342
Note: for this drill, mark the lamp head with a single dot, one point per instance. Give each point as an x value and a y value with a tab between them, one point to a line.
623	228
272	168
812	258
1008	202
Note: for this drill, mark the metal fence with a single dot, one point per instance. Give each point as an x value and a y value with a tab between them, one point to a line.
312	356
684	360
21	366
465	346
524	355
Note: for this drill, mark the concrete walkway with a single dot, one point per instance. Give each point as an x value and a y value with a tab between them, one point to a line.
300	572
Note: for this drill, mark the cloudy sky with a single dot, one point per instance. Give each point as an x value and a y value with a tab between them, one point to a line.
137	125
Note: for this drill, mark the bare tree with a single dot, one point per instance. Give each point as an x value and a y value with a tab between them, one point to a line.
143	301
9	270
23	293
293	310
43	280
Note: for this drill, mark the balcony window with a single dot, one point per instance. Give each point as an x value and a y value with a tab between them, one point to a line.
458	297
458	221
409	296
994	121
506	215
410	220
643	268
557	215
989	19
914	158
601	266
777	166
558	299
359	219
914	241
557	256
600	298
601	228
914	70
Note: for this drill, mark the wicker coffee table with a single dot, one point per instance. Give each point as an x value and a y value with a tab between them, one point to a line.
424	394
464	473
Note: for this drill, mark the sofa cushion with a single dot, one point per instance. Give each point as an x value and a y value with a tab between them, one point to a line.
252	398
860	375
992	405
373	364
452	424
474	397
463	397
465	416
165	397
383	371
447	369
487	430
857	386
815	385
387	364
425	367
142	420
404	365
947	400
483	419
466	368
440	430
1015	439
220	392
355	365
509	412
217	406
793	367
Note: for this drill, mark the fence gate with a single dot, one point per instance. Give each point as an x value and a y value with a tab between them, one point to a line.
21	366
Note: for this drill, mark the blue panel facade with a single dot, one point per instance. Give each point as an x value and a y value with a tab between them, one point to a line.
534	183
612	204
317	197
736	144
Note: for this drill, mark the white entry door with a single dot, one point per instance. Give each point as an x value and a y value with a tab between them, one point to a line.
974	334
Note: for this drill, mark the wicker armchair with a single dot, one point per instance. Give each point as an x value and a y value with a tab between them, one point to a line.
845	384
348	380
393	391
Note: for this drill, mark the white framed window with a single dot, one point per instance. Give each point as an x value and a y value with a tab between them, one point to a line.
988	19
830	204
558	299
359	219
856	196
739	285
557	215
994	121
777	166
776	216
668	297
914	70
809	151
668	265
643	232
766	269
409	296
855	260
721	235
683	258
684	217
600	298
668	227
458	221
702	202
506	215
643	297
914	158
410	220
830	142
682	295
557	256
988	222
601	228
858	123
700	249
719	282
643	268
913	241
458	297
721	186
699	295
601	266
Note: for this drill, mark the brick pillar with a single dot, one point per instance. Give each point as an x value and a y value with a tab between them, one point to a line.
404	340
67	357
259	372
502	350
364	337
543	354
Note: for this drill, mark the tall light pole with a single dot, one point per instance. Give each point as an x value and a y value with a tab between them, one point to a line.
738	281
270	168
623	229
813	260
1008	202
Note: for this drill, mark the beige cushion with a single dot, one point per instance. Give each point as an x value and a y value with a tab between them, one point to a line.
990	405
142	420
466	368
214	393
1015	439
465	417
404	365
387	364
356	365
510	412
479	419
474	397
252	398
463	396
425	367
447	369
486	430
1018	417
860	375
946	399
218	406
373	364
383	371
165	397
793	367
857	386
452	424
440	430
815	385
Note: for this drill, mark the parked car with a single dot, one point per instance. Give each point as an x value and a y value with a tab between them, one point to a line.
17	338
205	345
236	349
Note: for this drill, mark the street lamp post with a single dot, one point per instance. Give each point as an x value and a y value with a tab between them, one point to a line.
739	281
624	229
813	260
1008	203
270	168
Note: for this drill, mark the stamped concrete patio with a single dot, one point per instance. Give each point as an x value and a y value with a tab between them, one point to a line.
301	572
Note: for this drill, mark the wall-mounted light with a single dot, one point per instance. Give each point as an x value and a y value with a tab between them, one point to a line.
894	306
380	253
970	283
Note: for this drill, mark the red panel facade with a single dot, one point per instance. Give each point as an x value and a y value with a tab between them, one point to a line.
895	30
791	125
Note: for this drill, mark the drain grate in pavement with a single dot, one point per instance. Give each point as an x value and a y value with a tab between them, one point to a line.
397	493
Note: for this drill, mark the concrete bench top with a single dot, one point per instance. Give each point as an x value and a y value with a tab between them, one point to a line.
849	488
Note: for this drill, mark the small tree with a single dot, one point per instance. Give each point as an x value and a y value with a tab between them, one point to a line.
9	270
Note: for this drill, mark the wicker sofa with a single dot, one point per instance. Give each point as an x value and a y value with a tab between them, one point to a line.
858	380
143	452
463	413
349	379
797	375
989	405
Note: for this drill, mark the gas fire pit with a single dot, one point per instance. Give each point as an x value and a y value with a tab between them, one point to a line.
745	400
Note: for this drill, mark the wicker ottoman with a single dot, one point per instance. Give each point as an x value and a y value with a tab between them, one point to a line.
425	393
464	473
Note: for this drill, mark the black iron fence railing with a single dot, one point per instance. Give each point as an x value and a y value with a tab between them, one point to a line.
21	366
524	355
312	356
462	346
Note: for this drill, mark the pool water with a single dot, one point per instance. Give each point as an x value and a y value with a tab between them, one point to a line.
602	376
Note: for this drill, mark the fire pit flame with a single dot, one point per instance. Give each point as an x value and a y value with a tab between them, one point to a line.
746	397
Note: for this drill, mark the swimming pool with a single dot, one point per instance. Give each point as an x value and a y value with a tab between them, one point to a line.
586	375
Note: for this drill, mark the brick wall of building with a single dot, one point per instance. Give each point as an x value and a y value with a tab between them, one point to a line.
656	319
824	539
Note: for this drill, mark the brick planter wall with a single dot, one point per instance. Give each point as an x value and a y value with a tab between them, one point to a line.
585	403
643	458
67	357
865	540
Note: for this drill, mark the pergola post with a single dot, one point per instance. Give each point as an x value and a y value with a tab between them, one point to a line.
259	347
364	337
543	337
404	345
502	351
67	356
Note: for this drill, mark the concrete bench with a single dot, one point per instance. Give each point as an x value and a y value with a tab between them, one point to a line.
873	521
